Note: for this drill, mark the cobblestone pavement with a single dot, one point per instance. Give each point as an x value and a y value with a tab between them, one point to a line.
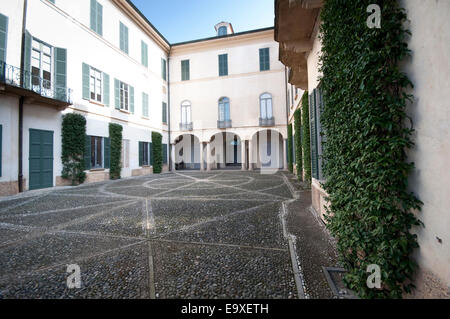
185	235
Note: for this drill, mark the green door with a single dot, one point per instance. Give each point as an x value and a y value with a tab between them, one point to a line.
41	159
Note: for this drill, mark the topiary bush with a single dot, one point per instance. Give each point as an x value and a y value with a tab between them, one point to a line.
73	139
115	135
289	149
298	144
306	138
370	210
157	152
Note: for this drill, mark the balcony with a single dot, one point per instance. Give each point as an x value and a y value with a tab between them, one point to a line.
224	124
36	89
186	126
267	121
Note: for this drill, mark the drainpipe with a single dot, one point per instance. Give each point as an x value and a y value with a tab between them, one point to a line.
21	99
287	95
168	108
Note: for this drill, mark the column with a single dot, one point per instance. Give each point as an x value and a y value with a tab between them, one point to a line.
250	155
285	154
208	156
202	165
172	152
243	153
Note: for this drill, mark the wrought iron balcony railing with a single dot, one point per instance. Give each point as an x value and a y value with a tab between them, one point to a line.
186	126
224	124
16	77
267	121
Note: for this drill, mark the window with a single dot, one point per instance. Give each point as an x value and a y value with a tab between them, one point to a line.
264	59
124	96
96	152
145	104
41	65
123	38
185	70
96	17
186	112
222	31
164	112
125	154
266	106
223	64
224	109
95	83
3	36
144	153
163	69
144	54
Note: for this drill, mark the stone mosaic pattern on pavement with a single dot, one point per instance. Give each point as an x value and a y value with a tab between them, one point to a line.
185	235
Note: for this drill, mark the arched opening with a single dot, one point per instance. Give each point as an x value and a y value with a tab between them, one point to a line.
225	151
187	152
268	150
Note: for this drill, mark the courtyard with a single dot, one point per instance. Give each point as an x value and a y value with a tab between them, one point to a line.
220	234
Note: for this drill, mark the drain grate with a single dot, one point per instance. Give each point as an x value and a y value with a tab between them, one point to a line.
334	278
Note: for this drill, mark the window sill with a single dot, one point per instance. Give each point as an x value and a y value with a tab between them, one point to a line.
97	103
164	123
125	111
145	118
97	170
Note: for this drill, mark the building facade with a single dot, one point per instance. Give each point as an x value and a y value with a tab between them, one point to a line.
103	59
297	31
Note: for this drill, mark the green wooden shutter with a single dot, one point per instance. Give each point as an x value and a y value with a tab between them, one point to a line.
223	64
313	126
144	104
164	146
117	94
87	153
131	99
52	1
164	112
123	38
107	152
99	19
163	69
106	89
264	59
60	89
185	70
27	62
150	153
141	153
144	54
3	36
86	79
94	15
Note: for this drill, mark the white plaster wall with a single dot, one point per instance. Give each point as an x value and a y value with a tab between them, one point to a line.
9	116
13	9
313	64
429	70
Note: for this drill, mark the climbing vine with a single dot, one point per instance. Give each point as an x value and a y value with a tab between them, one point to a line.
115	134
298	144
371	210
289	149
306	138
73	139
157	152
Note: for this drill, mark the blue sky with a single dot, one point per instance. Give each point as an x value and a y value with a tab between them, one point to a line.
185	20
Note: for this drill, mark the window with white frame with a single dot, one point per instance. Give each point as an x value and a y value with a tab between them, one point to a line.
186	112
41	65
266	106
124	96
224	109
95	82
96	152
